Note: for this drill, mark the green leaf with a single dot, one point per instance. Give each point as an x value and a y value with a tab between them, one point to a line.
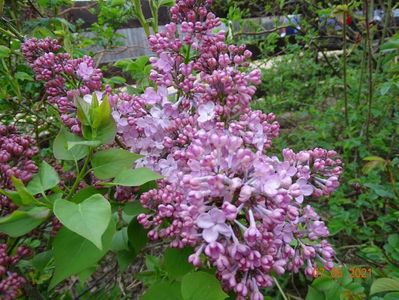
60	146
120	240
137	235
83	110
324	283
165	291
85	274
102	114
336	225
314	294
132	210
167	3
125	258
176	262
13	195
380	190
200	286
109	163
23	76
73	253
117	80
26	198
89	218
374	158
46	179
4	52
21	222
106	133
41	260
71	145
383	285
85	193
134	177
392	296
120	245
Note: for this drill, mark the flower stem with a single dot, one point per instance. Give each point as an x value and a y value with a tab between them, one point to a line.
280	289
80	175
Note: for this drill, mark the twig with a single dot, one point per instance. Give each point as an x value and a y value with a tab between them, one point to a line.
294	297
35	9
344	70
351	246
119	143
362	67
384	31
95	282
86	7
263	31
294	285
370	69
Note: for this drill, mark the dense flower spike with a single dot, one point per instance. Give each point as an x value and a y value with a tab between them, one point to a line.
16	152
242	209
239	208
10	282
64	77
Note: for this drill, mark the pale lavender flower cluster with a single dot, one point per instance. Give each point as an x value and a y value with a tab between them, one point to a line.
65	78
16	152
11	283
242	210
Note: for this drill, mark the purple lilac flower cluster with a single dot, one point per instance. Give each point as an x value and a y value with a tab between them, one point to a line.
16	152
242	210
11	282
65	78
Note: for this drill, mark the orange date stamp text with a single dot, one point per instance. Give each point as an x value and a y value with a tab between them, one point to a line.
338	272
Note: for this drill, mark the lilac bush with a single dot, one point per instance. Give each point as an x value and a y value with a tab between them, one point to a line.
244	210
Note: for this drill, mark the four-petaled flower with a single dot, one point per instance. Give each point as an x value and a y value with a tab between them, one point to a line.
84	71
206	112
306	189
213	223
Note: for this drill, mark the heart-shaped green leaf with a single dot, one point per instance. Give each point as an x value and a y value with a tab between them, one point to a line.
46	179
89	218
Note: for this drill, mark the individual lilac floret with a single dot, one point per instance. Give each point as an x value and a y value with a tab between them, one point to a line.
213	223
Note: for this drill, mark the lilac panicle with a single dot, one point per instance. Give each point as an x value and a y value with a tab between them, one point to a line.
64	77
242	210
16	152
11	283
